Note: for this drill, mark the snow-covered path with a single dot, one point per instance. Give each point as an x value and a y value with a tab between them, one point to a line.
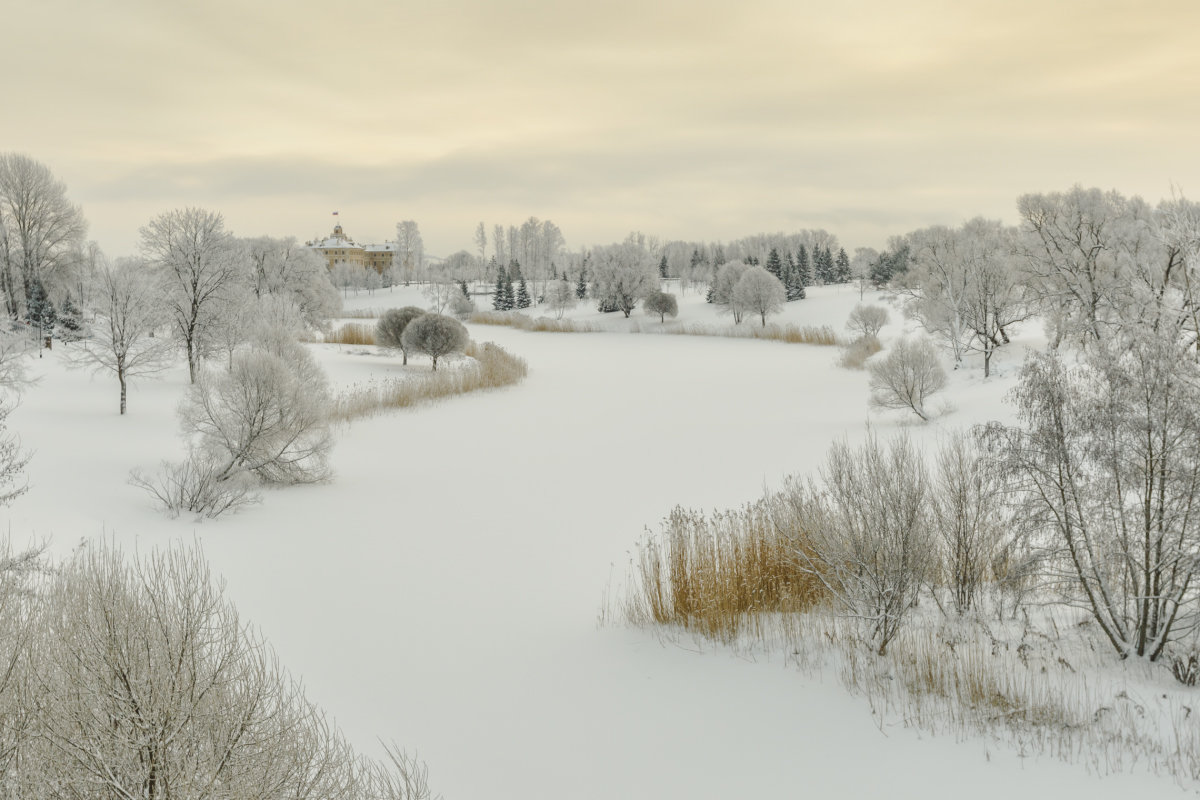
444	589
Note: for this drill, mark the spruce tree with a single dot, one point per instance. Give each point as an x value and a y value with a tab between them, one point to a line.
774	265
462	284
522	298
662	268
510	300
498	292
581	284
40	313
841	272
70	320
802	265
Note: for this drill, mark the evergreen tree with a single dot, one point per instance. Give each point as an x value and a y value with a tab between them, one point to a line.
40	313
498	293
718	257
802	265
70	320
581	284
462	284
711	293
662	268
522	294
514	270
510	299
841	269
794	281
774	265
697	260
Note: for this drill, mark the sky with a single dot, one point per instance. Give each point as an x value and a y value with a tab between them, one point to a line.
693	120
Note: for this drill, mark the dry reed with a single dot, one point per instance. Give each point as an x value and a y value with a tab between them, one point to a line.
718	575
790	334
491	367
352	333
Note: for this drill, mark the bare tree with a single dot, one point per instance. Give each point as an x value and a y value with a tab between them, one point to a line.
200	266
867	320
129	309
969	516
41	232
906	377
286	268
435	336
759	292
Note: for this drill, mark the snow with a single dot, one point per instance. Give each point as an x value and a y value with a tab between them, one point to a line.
444	589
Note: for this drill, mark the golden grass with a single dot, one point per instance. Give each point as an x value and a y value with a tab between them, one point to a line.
352	333
719	575
524	322
492	367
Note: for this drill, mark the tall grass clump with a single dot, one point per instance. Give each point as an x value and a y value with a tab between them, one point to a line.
353	333
491	367
718	575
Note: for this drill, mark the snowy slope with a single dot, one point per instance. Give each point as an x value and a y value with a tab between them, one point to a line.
444	589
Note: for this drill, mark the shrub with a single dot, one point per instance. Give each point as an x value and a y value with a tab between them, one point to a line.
193	485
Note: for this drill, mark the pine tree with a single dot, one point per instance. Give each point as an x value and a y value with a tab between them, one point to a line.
826	268
712	291
522	294
462	284
498	292
662	268
581	284
774	265
696	261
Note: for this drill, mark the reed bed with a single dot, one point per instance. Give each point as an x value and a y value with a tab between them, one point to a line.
490	367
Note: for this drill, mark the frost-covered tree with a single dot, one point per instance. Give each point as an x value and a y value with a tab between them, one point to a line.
622	274
759	292
128	310
906	377
560	296
199	266
727	277
285	268
661	303
267	415
1107	459
581	286
389	330
867	320
41	231
70	320
40	313
435	336
774	265
522	296
410	250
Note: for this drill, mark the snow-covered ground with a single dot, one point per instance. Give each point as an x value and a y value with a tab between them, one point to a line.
444	589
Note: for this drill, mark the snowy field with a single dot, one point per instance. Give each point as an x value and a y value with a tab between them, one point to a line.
444	589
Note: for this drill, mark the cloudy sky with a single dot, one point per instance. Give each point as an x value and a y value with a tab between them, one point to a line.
690	120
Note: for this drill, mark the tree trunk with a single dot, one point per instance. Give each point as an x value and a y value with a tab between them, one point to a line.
121	378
